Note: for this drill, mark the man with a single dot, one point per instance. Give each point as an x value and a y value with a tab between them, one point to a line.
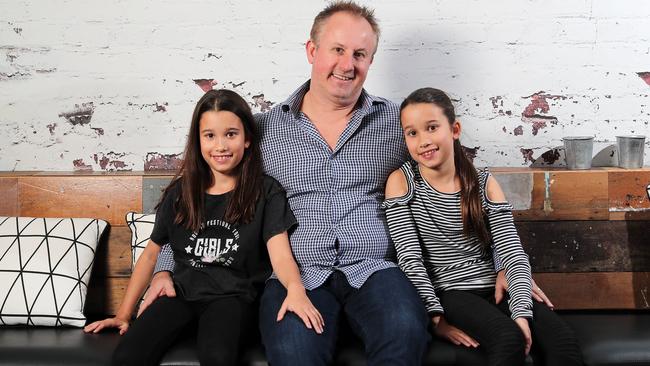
332	146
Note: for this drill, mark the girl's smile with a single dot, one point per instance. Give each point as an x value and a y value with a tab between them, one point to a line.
429	153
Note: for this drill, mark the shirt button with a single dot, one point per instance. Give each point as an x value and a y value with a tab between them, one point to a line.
336	263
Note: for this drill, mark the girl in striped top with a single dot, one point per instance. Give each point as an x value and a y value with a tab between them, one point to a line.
445	219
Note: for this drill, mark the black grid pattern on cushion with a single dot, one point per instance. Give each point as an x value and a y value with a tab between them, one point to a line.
141	226
45	266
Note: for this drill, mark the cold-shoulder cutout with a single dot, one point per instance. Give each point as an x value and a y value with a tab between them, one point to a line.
396	185
493	191
399	187
494	200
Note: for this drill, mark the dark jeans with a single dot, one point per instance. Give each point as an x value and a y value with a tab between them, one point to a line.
386	313
220	323
476	313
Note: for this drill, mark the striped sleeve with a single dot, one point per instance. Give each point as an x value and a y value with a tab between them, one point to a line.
403	232
508	249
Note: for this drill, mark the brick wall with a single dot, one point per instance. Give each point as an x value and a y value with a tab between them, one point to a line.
110	85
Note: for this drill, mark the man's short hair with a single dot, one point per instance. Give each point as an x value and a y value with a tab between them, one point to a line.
343	6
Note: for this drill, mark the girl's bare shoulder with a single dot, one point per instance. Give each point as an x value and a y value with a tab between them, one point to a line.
396	185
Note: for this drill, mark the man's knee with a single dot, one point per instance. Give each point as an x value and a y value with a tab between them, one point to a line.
290	342
393	310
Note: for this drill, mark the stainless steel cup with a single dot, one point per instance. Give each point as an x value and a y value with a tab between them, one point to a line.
630	151
578	151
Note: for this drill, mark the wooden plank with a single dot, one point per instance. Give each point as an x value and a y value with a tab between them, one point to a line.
586	246
105	295
621	290
568	195
9	196
105	197
15	174
628	199
113	257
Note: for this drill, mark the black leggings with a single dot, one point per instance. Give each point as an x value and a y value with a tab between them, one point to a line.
476	313
219	325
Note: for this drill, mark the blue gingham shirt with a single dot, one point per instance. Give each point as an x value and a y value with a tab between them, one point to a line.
335	194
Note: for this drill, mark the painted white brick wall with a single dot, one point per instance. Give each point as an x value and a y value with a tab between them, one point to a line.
132	64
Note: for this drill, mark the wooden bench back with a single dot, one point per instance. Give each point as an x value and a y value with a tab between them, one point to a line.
586	232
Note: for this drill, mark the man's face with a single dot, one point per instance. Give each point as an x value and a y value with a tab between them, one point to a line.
341	57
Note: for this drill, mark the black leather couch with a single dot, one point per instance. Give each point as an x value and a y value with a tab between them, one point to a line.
606	338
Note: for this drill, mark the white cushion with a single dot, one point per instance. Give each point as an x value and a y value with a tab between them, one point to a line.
141	226
45	266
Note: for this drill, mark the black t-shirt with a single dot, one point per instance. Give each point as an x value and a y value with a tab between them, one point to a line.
223	259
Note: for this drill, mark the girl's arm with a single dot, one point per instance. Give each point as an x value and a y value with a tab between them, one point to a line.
507	243
403	232
402	229
515	260
285	267
138	282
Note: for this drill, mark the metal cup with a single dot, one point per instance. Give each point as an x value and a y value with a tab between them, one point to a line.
578	151
630	151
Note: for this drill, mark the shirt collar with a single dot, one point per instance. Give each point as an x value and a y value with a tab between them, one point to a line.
292	104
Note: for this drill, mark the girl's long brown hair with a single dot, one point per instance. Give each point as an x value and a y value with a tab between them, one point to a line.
470	199
195	177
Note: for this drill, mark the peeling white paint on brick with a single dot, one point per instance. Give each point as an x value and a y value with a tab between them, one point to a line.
136	61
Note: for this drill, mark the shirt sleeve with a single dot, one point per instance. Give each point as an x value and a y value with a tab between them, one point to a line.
165	260
507	248
278	216
403	232
160	233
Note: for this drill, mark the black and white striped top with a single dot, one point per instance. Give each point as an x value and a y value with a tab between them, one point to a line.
427	229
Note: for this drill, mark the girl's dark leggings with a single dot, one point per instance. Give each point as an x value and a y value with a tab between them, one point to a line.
476	313
219	324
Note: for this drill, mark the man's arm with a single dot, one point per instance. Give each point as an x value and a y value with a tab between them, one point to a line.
161	283
165	260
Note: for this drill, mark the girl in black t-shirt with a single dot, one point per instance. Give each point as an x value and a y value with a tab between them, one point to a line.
224	220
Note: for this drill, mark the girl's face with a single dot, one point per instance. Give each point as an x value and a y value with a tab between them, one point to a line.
223	142
429	135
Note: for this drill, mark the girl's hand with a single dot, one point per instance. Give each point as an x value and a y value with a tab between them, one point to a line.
298	303
501	287
161	285
540	296
96	327
447	331
525	328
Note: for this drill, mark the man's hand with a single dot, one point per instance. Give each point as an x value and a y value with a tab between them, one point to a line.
447	331
501	287
161	285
